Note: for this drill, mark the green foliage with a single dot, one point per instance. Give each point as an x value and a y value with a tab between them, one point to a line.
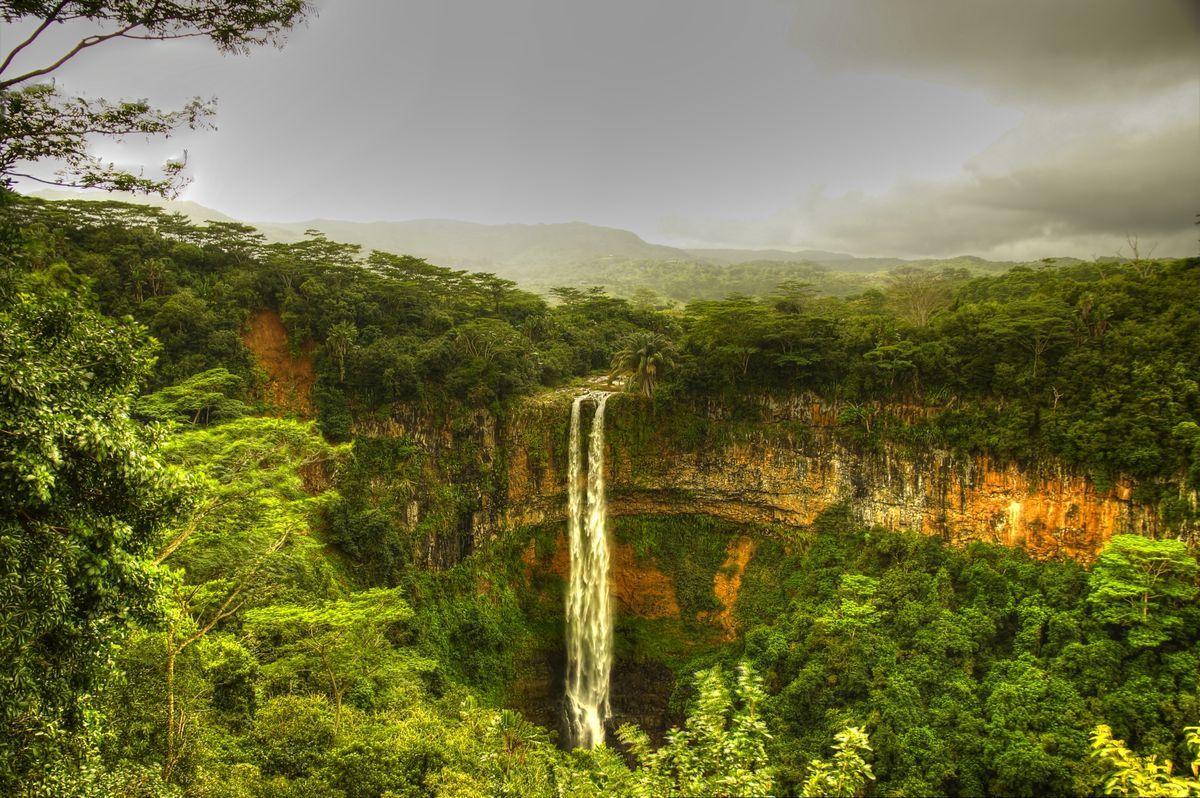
1143	584
847	774
643	357
340	645
369	520
257	484
857	611
204	398
41	124
477	634
294	734
391	328
381	766
84	495
1089	363
1131	775
1033	722
980	671
721	749
688	549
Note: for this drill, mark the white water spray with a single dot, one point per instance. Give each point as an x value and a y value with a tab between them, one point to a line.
589	614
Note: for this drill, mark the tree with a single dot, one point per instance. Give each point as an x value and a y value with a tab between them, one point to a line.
1037	326
42	124
1139	583
200	399
847	775
1034	740
190	619
732	330
854	413
256	483
340	643
917	293
720	751
856	612
643	356
84	495
253	478
340	341
1131	775
791	296
294	734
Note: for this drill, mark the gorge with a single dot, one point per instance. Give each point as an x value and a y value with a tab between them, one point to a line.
411	543
787	463
699	502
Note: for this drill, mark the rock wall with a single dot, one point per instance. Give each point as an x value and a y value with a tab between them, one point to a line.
787	466
289	382
793	464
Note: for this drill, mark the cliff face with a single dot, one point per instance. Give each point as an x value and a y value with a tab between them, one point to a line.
787	467
791	466
289	379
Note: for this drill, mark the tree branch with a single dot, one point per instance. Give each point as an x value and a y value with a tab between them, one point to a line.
47	182
224	611
162	37
186	533
89	41
51	17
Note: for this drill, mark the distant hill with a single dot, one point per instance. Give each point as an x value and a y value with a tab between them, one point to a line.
542	256
463	245
736	256
838	261
520	249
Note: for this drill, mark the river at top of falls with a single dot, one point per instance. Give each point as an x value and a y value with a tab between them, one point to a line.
589	612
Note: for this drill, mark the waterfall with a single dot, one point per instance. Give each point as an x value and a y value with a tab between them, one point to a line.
589	615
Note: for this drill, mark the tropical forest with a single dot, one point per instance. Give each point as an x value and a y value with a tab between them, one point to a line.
318	510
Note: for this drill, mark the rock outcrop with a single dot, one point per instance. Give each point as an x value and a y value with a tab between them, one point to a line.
790	466
290	377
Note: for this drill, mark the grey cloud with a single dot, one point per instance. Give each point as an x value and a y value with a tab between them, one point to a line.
1081	201
621	112
1016	49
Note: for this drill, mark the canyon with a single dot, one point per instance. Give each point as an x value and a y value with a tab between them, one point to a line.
786	467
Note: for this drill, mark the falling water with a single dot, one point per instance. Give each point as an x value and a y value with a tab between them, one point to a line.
589	617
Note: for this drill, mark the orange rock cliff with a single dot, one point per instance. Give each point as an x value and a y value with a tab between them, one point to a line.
787	469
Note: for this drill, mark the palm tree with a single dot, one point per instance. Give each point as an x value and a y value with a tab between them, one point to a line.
643	356
340	341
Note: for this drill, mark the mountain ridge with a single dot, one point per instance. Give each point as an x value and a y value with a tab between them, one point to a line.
544	255
387	231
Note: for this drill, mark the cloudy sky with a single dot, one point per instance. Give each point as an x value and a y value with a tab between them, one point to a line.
1012	129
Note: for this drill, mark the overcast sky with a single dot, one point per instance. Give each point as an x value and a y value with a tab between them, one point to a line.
1016	128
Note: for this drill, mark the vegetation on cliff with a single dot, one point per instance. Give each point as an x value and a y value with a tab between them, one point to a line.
1090	363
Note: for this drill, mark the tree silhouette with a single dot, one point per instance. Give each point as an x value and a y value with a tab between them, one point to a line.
42	124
